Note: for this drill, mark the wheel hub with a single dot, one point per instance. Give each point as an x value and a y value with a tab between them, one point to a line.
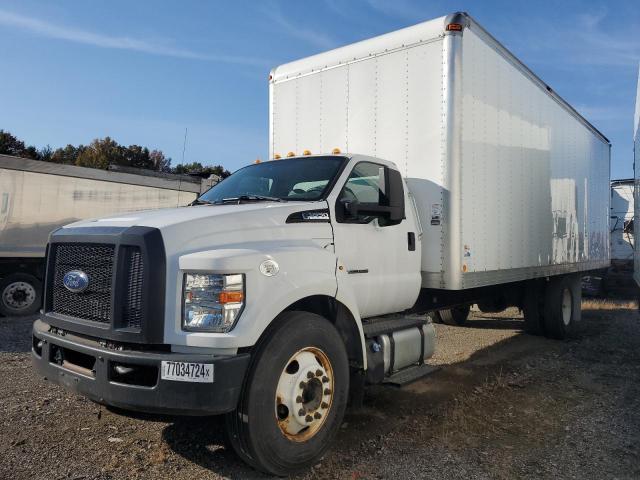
19	295
304	394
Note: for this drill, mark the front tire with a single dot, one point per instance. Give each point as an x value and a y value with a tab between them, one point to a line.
20	295
294	397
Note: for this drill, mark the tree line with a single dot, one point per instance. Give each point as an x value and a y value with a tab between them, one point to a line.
101	153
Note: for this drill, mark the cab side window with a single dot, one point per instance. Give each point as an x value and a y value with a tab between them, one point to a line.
366	187
366	184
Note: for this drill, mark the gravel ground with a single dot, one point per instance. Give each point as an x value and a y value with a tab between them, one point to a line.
503	405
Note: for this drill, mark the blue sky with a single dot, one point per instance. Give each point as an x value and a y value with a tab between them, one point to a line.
143	71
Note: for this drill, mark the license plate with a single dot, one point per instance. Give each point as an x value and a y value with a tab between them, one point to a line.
187	372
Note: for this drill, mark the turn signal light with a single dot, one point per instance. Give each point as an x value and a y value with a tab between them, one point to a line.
230	297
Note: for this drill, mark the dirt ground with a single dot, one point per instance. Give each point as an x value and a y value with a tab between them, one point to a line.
504	405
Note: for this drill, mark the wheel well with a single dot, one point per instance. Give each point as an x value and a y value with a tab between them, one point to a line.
32	266
342	319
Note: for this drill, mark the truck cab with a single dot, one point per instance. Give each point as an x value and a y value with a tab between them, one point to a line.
262	285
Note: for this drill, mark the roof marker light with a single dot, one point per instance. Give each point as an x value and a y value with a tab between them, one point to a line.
335	151
291	154
277	156
306	152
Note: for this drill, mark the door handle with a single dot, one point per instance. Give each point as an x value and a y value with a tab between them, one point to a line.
411	240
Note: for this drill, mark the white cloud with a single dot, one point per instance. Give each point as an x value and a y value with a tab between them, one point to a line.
581	40
402	9
301	31
50	30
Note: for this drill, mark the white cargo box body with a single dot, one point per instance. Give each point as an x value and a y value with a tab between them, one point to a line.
510	182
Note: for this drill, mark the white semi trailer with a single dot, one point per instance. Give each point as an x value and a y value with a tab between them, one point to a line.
426	169
636	189
39	197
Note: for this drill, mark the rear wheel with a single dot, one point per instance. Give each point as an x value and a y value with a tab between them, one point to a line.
20	294
562	308
456	316
294	397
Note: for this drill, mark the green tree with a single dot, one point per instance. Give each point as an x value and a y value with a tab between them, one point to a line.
103	152
159	161
100	154
136	156
10	145
67	155
196	168
45	154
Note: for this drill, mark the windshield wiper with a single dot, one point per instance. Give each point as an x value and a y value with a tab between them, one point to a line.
252	197
198	201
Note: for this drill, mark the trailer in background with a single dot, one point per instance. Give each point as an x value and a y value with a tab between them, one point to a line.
38	197
622	221
636	170
617	280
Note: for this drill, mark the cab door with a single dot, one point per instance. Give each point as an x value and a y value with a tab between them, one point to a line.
376	238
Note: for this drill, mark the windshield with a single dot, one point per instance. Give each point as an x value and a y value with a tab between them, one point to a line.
290	179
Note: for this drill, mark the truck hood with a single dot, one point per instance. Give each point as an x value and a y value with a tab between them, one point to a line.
185	215
201	227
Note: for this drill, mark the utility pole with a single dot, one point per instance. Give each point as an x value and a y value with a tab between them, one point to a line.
184	144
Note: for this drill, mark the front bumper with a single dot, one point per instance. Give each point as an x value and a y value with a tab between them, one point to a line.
87	366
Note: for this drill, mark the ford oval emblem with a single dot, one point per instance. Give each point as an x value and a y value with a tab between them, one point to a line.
75	281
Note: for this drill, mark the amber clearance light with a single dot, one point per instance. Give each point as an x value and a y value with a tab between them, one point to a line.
230	297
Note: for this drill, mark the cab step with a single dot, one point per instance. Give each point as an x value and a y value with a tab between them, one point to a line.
410	374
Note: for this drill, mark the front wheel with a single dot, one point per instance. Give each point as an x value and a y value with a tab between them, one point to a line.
294	397
20	294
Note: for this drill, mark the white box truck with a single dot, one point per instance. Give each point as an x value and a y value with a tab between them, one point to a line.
426	169
38	197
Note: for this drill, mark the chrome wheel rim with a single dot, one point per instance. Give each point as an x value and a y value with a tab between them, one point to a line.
19	295
304	394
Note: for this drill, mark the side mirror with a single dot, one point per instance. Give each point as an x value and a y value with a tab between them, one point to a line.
351	208
389	207
396	196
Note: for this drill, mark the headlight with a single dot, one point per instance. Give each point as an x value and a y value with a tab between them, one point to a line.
211	303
